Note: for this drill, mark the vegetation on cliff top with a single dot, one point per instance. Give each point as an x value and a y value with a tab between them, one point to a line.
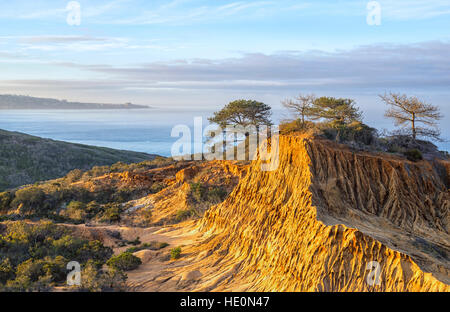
340	120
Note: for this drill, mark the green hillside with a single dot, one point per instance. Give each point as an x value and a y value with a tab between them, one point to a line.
26	159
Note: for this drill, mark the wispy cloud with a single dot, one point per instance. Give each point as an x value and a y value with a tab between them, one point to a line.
41	14
58	39
176	13
414	9
100	9
38	10
180	12
375	66
66	43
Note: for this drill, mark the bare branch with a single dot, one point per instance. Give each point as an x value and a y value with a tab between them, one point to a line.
410	111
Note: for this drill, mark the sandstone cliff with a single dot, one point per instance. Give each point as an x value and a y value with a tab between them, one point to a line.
316	224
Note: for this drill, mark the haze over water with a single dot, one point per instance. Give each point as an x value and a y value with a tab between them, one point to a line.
141	130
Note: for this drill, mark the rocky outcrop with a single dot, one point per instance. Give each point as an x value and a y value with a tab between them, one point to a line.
166	204
319	222
327	219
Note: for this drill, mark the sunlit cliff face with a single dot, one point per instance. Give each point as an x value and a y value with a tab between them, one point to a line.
327	219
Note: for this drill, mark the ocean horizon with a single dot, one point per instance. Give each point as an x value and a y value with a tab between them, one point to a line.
139	130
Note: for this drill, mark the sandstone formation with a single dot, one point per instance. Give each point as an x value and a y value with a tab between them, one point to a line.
321	221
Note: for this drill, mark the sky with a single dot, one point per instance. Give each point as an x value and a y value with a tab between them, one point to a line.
203	54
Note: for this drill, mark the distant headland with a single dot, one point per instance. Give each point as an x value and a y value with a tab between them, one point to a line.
28	102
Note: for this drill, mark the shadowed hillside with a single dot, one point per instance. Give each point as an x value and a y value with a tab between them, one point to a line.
26	159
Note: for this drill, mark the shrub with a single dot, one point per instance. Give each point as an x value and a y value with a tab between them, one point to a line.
6	271
111	213
289	126
413	155
162	245
359	132
135	242
30	269
352	132
74	175
157	187
197	191
213	194
5	201
393	148
94	279
33	257
75	210
29	200
125	261
93	208
91	278
216	195
184	214
41	271
93	251
146	216
133	249
175	253
122	195
21	232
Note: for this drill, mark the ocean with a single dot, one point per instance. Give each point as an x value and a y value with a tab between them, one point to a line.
141	130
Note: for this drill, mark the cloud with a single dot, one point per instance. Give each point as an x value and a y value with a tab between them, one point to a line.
59	39
415	66
177	13
414	9
364	66
183	12
45	10
9	55
49	43
41	14
100	9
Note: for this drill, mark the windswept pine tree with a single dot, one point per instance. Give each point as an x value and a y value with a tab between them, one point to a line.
336	111
243	113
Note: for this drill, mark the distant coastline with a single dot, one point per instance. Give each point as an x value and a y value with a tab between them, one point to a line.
28	102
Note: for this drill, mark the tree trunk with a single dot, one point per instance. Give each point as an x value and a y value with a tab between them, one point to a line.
224	144
413	125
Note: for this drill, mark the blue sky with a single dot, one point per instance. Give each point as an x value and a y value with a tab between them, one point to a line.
197	53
